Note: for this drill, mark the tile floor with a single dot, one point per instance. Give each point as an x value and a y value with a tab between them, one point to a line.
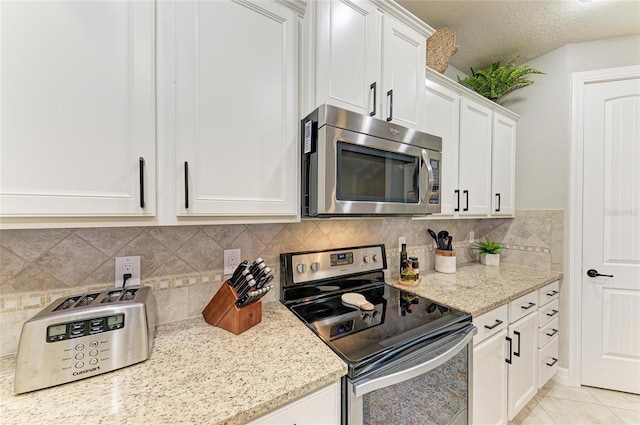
556	404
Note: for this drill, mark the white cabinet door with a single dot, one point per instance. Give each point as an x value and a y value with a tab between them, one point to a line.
523	369
347	55
443	120
236	108
490	381
475	158
503	168
403	62
78	109
321	407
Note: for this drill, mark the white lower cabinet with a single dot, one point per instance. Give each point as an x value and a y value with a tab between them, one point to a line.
548	332
320	407
523	367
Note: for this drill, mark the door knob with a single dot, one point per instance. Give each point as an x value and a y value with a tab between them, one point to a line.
594	273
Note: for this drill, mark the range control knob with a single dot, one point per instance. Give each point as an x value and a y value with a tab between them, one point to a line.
365	259
367	319
315	266
301	268
375	258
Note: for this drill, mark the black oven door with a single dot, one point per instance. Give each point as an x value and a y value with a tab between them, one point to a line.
429	385
364	175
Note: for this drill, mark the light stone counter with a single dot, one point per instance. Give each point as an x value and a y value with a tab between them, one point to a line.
197	374
475	288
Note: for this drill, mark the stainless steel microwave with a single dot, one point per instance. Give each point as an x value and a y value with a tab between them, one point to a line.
356	165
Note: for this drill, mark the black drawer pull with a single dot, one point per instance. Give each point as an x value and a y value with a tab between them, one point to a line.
466	192
551	294
498	196
374	87
553	313
553	362
527	307
186	185
510	359
141	164
518	353
498	323
457	208
555	331
390	98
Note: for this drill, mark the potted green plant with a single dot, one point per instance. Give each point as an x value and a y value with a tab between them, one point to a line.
498	80
489	251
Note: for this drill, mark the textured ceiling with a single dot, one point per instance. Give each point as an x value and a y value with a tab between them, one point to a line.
490	30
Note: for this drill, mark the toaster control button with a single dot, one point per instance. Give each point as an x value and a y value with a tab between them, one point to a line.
93	344
93	352
79	365
79	356
79	347
93	361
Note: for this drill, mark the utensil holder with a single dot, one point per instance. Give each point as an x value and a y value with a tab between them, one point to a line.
223	312
445	261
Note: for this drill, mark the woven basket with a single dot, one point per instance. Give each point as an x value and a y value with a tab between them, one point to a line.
440	47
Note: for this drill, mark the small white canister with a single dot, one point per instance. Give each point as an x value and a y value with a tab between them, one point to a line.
445	261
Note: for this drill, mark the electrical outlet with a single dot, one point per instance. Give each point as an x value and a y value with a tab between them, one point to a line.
471	236
401	240
128	265
231	260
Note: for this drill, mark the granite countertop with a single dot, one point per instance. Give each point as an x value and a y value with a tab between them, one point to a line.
197	373
476	289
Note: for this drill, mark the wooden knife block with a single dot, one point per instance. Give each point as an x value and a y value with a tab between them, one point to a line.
223	312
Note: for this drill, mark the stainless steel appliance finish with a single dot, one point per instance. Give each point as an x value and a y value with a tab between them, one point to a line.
409	359
85	335
355	165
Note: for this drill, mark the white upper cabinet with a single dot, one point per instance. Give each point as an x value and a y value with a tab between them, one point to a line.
367	57
236	150
475	158
348	55
403	58
503	165
78	109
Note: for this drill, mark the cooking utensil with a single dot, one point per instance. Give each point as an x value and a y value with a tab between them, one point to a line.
433	235
264	280
449	240
357	300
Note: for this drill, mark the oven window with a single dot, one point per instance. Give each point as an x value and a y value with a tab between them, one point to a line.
437	397
366	174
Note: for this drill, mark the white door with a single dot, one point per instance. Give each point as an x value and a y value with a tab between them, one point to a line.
78	108
503	166
490	381
475	158
236	96
348	55
611	235
403	58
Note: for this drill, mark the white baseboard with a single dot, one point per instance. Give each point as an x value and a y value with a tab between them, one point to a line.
562	376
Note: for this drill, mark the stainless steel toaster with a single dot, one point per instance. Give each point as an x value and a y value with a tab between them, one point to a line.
85	335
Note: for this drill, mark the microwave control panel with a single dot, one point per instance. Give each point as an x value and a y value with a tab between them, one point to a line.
434	196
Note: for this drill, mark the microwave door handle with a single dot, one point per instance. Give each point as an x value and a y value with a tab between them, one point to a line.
427	181
454	347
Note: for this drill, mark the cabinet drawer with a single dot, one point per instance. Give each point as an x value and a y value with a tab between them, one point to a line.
548	362
491	323
549	293
548	332
524	305
547	313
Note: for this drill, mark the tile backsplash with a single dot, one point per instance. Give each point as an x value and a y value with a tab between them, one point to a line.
184	263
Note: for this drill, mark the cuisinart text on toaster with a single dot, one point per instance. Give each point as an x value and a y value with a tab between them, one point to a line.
85	335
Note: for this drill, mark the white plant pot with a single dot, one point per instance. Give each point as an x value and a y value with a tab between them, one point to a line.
490	259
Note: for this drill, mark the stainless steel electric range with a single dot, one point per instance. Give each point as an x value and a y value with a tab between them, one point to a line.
409	358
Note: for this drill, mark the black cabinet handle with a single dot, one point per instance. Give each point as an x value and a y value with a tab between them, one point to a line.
186	185
552	293
457	192
510	359
553	362
390	97
374	87
518	353
498	323
594	273
555	331
141	166
527	307
553	313
466	192
498	208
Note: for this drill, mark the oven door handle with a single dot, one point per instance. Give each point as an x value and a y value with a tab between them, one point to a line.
427	181
455	346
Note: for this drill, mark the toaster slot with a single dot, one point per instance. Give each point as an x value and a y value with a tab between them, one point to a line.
112	296
129	294
66	304
87	299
